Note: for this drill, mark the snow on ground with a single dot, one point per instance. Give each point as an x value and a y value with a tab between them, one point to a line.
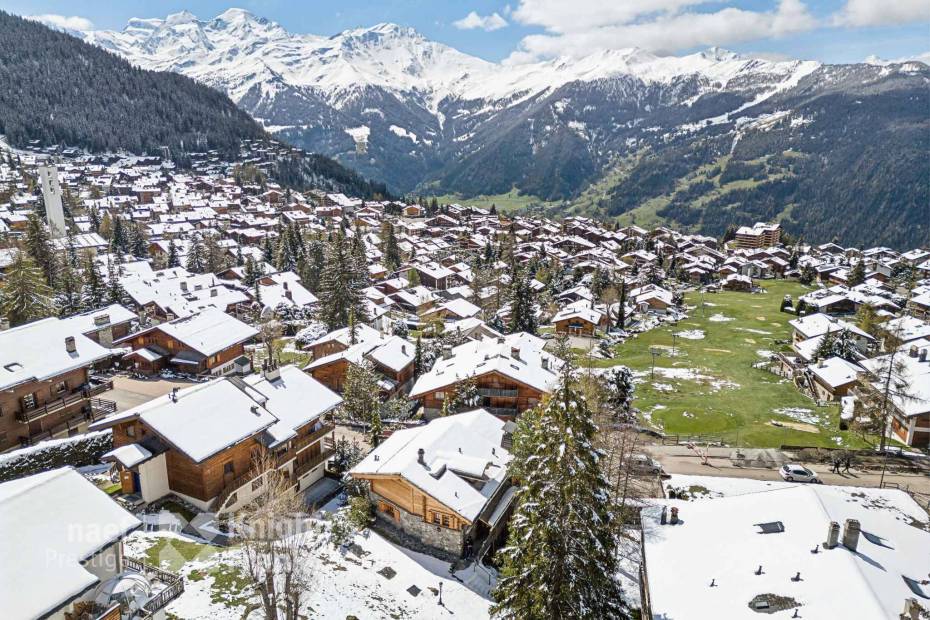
750	330
359	134
704	487
764	353
801	414
47	444
345	582
691	334
719	318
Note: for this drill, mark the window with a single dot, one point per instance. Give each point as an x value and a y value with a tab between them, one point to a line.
445	520
130	431
387	509
14	366
60	387
29	401
229	468
436	518
440	395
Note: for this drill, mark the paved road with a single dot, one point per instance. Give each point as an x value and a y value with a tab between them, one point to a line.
128	393
680	460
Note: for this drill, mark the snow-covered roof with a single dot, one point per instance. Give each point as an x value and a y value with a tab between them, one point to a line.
52	522
209	331
129	455
94	319
914	399
819	324
37	351
534	367
720	540
835	371
467	443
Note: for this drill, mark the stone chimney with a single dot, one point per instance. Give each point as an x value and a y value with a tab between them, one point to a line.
214	292
285	285
447	352
272	373
4	324
913	350
911	610
922	356
515	353
288	294
851	534
833	535
70	345
101	319
184	286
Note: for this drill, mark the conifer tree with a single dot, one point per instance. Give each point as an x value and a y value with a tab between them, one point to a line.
312	268
139	243
239	259
267	250
69	297
418	359
94	289
214	255
40	249
114	290
825	348
173	259
360	393
621	306
392	258
25	296
619	393
196	256
251	272
119	241
856	274
340	292
560	559
522	304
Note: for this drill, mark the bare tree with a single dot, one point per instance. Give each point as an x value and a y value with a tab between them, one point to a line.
276	543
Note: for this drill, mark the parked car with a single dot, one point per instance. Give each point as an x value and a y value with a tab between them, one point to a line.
645	464
792	472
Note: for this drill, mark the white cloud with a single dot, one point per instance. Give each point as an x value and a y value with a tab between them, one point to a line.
63	22
487	23
857	13
665	26
875	60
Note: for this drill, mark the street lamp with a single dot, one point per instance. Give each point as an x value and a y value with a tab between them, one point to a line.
655	353
440	595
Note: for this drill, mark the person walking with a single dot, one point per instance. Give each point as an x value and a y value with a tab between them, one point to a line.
836	465
847	463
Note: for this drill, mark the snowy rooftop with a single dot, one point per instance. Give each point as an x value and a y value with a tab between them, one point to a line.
209	331
36	351
53	521
721	540
530	366
835	371
467	443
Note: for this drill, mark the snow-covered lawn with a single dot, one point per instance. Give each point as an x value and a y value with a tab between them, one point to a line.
691	334
345	581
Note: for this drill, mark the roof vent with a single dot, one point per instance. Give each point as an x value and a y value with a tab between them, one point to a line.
851	534
70	345
101	319
174	395
421	453
214	292
255	410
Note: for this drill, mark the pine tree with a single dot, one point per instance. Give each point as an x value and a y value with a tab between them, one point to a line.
114	290
119	241
25	295
251	272
621	306
139	244
94	290
312	268
375	427
239	259
360	393
69	297
173	259
418	359
825	348
560	560
214	255
856	274
599	283
39	247
392	257
808	274
620	389
196	256
340	290
522	304
267	250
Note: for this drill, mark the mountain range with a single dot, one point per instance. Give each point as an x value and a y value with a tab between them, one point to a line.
700	141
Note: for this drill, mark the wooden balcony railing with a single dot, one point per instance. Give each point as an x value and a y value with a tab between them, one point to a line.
498	392
328	449
173	584
303	442
52	406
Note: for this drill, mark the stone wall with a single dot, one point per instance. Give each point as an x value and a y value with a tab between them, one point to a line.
444	539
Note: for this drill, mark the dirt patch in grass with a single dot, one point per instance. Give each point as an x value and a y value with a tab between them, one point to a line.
799	426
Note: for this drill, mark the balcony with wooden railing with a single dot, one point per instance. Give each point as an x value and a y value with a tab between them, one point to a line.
168	586
302	442
30	414
326	452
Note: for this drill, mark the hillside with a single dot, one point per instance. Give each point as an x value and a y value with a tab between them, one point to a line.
621	133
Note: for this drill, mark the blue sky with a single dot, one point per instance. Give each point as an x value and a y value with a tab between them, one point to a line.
521	30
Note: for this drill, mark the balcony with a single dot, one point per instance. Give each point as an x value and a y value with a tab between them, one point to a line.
303	442
327	450
165	586
498	393
27	415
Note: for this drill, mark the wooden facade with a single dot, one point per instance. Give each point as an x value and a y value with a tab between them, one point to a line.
157	338
499	395
409	498
42	409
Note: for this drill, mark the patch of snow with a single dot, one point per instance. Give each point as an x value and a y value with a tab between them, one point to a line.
691	334
719	318
801	414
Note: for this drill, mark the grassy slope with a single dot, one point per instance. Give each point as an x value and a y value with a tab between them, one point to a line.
740	414
511	201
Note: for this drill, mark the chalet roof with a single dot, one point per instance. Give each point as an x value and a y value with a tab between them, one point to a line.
456	447
209	331
53	522
36	351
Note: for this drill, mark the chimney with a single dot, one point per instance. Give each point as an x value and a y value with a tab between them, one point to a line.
851	534
515	353
911	610
4	324
184	285
545	363
254	410
272	373
922	356
833	535
913	350
285	285
101	319
288	294
420	457
500	340
174	395
447	352
70	345
403	349
214	292
673	520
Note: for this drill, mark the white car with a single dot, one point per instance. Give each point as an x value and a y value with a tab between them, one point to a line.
792	472
645	464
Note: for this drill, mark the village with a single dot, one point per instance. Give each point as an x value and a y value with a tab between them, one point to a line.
181	349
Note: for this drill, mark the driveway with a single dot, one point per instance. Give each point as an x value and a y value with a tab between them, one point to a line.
128	393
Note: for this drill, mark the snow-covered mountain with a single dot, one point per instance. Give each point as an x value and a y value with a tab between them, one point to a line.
420	115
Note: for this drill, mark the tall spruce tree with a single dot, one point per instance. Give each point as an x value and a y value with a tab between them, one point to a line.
174	260
392	257
340	290
522	304
95	292
70	290
213	254
560	559
196	256
40	249
856	274
25	296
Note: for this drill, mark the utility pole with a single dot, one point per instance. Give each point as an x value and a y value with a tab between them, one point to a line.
655	353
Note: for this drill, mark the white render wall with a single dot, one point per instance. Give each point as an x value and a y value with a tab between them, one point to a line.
153	478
